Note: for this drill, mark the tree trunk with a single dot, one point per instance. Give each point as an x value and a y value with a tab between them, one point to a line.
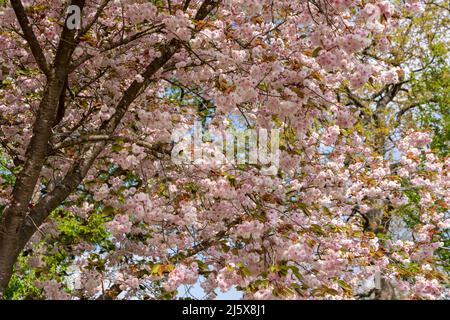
8	256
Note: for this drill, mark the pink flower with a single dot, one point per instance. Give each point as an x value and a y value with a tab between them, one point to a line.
182	275
354	42
139	78
120	225
330	135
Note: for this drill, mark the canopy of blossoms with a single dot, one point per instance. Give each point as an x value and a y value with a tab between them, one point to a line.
337	212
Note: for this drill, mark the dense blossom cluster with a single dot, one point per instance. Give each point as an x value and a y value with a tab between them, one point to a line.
278	64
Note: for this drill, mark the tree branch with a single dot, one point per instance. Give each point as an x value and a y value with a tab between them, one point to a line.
390	94
186	5
30	37
115	45
99	11
403	111
205	244
154	148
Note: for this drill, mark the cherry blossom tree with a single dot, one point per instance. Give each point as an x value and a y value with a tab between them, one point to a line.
86	170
